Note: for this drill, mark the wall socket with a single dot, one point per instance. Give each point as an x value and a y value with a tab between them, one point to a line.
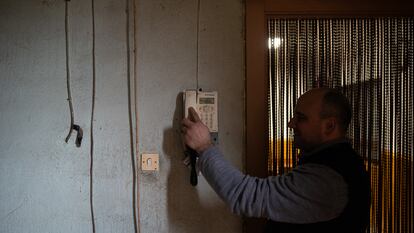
149	162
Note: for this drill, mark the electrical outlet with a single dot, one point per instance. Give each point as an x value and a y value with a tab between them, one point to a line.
149	162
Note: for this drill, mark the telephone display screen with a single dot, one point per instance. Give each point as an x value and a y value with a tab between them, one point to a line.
206	101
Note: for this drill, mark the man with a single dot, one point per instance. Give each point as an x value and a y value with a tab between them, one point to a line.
327	192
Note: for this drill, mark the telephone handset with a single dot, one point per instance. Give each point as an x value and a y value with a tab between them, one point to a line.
206	106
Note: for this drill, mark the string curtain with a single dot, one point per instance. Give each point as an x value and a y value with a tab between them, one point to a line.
371	61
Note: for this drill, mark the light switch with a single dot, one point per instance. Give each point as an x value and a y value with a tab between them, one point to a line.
149	162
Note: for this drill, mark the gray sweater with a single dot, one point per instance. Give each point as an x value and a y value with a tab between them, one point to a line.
310	193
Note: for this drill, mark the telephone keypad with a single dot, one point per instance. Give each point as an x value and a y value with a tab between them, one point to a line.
206	115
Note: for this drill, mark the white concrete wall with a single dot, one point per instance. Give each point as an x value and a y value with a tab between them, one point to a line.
166	48
44	182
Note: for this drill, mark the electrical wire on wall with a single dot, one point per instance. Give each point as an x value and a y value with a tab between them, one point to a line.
72	125
135	185
197	41
92	116
136	189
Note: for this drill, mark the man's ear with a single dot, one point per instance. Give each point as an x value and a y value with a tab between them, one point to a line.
330	125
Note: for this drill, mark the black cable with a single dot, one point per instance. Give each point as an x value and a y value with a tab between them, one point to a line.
72	126
68	72
197	41
131	131
92	117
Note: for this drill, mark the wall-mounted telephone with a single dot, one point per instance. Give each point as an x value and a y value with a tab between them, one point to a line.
205	104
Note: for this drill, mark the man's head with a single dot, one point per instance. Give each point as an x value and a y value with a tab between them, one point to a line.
321	115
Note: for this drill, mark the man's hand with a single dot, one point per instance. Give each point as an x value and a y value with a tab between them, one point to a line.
195	134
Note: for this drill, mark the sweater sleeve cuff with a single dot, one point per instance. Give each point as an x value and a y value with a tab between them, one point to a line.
209	152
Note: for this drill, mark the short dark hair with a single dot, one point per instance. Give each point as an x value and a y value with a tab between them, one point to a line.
335	104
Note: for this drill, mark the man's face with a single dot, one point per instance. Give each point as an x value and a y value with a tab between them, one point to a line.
306	122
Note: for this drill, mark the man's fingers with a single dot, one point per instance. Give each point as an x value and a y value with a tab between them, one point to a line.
193	115
186	122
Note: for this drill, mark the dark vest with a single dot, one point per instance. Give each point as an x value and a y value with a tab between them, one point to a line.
355	216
